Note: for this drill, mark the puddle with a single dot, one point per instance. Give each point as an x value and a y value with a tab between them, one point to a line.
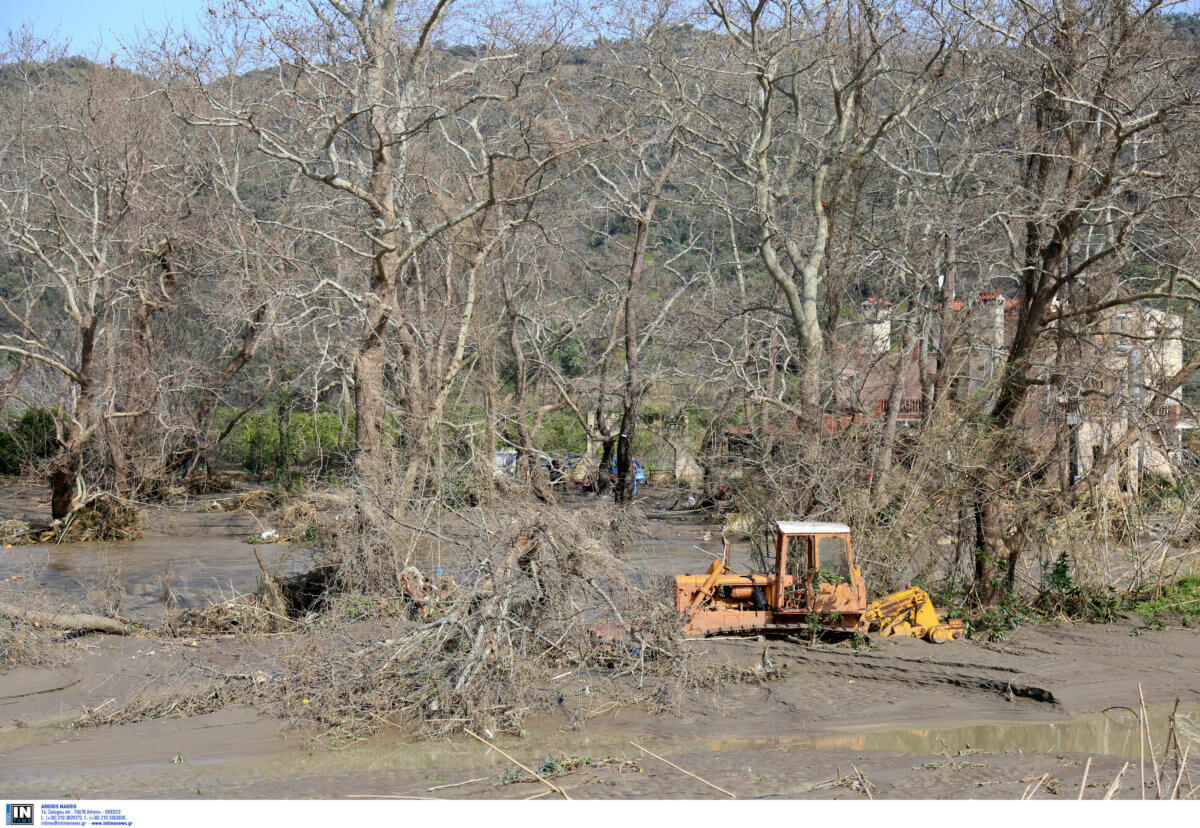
18	737
461	754
322	768
1114	732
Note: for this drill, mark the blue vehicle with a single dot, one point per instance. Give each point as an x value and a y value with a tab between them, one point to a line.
639	474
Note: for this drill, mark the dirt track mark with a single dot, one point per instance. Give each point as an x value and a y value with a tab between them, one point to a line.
1004	681
8	698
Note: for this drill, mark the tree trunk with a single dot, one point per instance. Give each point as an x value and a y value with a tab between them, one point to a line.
491	415
80	622
632	396
990	552
63	474
633	391
64	469
945	338
369	361
606	457
882	467
528	466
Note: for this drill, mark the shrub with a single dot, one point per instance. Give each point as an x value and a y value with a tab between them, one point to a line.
1060	594
26	439
1182	597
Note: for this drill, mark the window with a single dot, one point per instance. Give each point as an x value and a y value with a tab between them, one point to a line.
797	553
832	557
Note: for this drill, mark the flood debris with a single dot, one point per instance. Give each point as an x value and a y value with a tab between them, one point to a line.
533	773
34	624
437	653
255	500
103	518
80	622
547	614
553	766
14	532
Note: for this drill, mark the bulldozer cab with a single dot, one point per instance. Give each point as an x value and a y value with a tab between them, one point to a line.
815	566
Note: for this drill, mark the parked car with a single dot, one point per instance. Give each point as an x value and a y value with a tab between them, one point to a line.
505	462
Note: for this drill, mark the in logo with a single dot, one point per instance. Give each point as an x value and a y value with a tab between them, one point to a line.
18	814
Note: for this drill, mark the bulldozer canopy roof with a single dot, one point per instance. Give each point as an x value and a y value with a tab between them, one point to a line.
811	527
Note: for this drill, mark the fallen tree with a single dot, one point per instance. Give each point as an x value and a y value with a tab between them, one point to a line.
78	622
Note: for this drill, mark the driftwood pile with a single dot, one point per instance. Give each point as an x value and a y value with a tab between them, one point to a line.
546	614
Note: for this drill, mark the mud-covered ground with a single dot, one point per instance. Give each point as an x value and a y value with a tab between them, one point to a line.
904	718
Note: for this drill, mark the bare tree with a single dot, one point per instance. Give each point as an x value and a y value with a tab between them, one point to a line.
78	206
1102	111
398	133
818	86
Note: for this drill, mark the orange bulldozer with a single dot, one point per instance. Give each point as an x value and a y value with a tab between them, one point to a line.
815	584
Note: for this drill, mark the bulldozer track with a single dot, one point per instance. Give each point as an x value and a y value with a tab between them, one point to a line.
776	629
1003	681
882	658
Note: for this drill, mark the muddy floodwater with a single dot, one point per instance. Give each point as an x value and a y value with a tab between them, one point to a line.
1113	732
196	556
234	753
193	557
194	570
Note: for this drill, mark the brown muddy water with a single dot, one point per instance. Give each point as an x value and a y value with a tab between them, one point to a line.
194	556
203	556
1113	732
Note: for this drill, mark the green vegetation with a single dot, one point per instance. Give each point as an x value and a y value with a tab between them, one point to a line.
26	439
827	576
570	357
1163	496
999	619
1181	597
562	434
262	441
1061	595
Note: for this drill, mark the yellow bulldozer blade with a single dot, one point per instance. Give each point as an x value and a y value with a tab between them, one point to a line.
910	612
